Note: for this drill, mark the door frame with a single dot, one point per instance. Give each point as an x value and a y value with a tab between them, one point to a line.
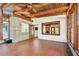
30	25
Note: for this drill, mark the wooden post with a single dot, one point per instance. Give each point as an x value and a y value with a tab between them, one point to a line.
68	28
76	26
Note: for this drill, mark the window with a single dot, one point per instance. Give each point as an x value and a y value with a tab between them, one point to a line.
25	27
51	28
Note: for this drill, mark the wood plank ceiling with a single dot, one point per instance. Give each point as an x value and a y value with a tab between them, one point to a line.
35	10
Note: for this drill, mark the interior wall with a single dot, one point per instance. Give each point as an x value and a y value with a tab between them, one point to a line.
63	28
15	29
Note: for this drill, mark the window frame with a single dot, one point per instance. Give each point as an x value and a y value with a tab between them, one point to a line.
49	24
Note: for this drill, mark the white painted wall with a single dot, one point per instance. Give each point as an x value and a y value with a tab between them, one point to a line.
63	28
16	33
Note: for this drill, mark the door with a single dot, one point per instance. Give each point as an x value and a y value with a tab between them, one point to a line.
31	31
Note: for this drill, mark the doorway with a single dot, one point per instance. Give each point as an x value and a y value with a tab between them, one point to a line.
31	31
6	30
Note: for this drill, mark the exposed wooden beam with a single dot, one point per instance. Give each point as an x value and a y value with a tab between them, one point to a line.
33	6
29	15
22	12
18	8
26	14
6	5
39	5
23	17
51	14
52	11
69	8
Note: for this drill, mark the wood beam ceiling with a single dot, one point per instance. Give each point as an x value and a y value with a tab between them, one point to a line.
34	10
29	6
44	9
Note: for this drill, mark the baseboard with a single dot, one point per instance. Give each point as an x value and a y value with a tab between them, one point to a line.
72	50
53	40
33	38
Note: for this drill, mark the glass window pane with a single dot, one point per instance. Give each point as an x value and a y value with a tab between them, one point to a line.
56	30
53	30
